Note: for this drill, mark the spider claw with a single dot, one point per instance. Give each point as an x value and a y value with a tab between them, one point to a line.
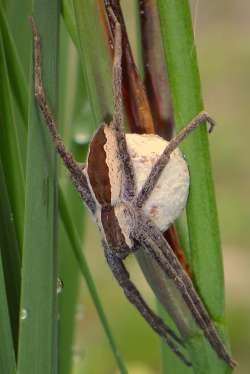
209	120
212	124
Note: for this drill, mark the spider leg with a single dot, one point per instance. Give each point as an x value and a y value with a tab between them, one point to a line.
117	122
122	276
76	170
164	158
150	237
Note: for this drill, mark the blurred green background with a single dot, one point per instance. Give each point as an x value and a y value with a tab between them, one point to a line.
222	35
222	39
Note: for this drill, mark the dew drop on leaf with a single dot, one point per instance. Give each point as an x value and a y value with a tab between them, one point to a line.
23	314
59	286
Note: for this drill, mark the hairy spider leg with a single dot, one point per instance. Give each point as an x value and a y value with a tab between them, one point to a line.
160	164
117	122
122	276
76	170
150	237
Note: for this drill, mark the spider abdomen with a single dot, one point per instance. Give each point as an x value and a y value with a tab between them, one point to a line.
169	196
104	171
115	225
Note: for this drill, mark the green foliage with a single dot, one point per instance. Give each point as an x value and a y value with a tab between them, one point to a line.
38	310
202	220
7	353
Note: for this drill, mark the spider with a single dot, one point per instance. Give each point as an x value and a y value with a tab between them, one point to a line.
126	207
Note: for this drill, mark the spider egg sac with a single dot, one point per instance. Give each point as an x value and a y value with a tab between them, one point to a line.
169	196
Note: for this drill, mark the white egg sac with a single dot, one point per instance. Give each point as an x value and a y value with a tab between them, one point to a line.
169	196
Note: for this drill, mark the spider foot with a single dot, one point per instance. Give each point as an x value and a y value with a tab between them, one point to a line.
204	116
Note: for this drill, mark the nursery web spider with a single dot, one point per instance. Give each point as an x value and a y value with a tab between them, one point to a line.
109	188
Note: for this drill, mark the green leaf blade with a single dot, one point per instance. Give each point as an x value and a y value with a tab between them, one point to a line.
94	56
206	260
71	101
10	253
10	148
38	321
7	353
16	73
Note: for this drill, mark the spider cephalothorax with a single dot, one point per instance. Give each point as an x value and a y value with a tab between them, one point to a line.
130	205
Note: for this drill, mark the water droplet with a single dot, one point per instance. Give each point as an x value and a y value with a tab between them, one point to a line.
11	218
184	156
77	354
23	314
142	11
79	312
81	138
59	286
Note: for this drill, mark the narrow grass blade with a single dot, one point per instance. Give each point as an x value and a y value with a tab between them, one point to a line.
94	56
206	264
10	252
69	18
38	316
17	13
68	267
10	149
18	84
72	104
157	87
76	243
7	353
168	359
16	74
